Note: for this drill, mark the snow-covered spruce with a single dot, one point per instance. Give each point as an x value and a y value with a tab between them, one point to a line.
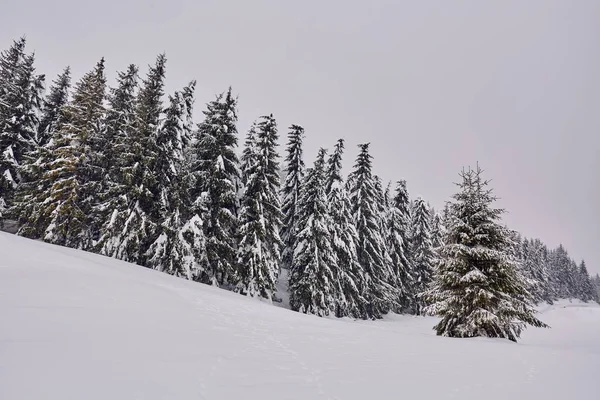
294	173
260	217
422	254
216	166
477	289
69	180
380	295
349	275
20	101
132	229
313	278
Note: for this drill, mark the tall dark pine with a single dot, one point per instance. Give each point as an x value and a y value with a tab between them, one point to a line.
218	173
170	250
349	275
294	173
56	99
20	101
117	187
313	284
381	297
396	243
69	179
477	289
422	254
259	248
131	239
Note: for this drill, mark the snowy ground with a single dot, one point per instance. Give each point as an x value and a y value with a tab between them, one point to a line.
74	325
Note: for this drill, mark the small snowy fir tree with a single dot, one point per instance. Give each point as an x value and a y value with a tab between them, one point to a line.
422	254
217	167
586	289
294	173
260	216
477	289
344	238
381	297
313	286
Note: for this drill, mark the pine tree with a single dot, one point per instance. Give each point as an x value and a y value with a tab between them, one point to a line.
422	254
170	251
380	295
132	231
344	239
218	173
313	285
68	178
294	174
260	216
477	289
586	289
395	233
20	100
111	211
56	99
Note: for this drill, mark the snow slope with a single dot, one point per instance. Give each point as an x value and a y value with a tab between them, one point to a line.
74	325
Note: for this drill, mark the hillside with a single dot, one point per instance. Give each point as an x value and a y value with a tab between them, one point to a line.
75	325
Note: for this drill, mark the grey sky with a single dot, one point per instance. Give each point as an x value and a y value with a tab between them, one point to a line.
434	85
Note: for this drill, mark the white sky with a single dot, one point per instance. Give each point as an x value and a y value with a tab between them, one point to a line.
434	85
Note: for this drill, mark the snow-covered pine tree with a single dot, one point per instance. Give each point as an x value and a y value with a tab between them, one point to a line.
20	100
586	289
534	268
344	238
381	297
68	178
313	275
56	99
27	199
218	174
170	252
111	210
477	289
260	216
437	229
395	233
294	173
422	254
130	234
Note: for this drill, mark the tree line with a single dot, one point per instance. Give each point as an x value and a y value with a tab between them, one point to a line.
125	172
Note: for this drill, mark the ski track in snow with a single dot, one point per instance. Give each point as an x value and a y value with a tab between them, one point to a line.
75	325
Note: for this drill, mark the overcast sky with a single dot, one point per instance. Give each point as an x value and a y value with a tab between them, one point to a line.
433	85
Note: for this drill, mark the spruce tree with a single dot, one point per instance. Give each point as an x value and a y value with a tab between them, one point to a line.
168	252
344	239
381	297
395	233
477	288
422	254
130	238
586	289
20	100
56	99
217	167
111	211
260	216
68	179
294	174
313	279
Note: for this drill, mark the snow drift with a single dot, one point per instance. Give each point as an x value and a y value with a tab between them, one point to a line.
74	325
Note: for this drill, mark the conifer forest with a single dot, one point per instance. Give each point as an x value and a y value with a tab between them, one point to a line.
122	169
